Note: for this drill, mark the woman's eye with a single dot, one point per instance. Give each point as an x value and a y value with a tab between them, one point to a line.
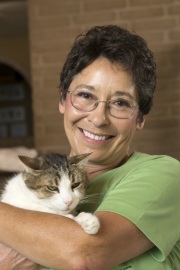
121	103
75	185
85	95
53	188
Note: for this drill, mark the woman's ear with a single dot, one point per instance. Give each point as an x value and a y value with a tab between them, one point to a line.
140	122
62	104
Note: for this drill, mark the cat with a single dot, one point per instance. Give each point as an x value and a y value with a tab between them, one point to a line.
52	183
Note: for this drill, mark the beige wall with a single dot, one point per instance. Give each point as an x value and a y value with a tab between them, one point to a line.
14	51
54	24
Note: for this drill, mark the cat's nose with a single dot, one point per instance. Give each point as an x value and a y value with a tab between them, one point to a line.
68	202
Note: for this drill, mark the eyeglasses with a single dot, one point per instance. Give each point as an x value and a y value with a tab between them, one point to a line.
87	102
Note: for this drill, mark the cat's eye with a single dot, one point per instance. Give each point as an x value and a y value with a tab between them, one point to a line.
53	188
75	185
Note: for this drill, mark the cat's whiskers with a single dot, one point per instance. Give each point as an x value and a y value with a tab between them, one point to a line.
93	170
91	198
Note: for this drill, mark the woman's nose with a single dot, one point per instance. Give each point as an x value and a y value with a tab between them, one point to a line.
99	116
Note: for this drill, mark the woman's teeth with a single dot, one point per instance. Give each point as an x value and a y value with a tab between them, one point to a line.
94	137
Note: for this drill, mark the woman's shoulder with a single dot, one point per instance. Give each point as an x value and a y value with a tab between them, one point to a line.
156	160
145	157
143	168
141	165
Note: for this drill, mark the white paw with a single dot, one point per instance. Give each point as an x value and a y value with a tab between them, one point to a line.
69	216
89	222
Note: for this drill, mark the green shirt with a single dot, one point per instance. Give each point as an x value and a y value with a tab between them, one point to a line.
146	190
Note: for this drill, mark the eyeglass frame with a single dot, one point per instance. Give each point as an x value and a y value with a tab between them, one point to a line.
98	101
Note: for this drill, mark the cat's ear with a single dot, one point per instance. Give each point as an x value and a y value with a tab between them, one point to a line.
31	164
80	160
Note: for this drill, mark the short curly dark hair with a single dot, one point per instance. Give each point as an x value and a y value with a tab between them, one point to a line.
119	46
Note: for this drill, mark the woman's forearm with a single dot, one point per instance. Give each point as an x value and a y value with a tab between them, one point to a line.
59	242
44	238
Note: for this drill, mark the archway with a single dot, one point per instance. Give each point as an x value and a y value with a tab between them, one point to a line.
16	117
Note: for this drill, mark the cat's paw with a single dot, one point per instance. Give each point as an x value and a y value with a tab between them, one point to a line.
69	216
89	222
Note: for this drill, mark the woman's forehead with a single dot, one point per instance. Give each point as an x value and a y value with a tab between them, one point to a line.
104	77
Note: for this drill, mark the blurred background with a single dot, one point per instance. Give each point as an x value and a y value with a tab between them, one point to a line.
35	37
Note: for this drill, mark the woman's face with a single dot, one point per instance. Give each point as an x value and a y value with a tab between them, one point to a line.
97	132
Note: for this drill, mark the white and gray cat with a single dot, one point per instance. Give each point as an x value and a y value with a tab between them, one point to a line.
52	183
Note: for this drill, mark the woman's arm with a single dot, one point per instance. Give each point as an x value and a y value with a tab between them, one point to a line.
11	260
59	242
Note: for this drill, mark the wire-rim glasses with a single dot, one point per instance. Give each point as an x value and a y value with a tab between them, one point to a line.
86	102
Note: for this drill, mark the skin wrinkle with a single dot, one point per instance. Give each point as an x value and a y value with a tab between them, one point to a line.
92	88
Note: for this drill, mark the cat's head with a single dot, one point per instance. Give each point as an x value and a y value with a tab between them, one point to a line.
57	180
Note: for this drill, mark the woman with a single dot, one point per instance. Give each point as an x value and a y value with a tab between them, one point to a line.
107	86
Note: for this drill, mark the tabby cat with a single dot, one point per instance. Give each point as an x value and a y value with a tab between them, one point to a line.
52	183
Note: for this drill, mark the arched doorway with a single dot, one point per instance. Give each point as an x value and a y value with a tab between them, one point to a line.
16	117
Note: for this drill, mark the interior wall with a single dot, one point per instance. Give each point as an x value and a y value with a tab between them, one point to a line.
14	52
53	25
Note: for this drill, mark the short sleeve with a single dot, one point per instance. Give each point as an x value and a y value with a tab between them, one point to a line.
149	196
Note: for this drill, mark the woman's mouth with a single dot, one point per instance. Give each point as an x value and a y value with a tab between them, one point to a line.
95	136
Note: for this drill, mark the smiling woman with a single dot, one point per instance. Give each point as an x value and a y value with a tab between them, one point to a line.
106	89
97	116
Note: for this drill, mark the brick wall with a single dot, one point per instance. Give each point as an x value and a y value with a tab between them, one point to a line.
53	26
14	52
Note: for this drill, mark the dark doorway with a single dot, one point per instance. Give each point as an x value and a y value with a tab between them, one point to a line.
16	117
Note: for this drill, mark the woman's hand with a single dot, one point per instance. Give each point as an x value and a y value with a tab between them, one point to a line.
11	260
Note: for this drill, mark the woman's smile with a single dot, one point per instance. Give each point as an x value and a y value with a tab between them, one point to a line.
95	137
